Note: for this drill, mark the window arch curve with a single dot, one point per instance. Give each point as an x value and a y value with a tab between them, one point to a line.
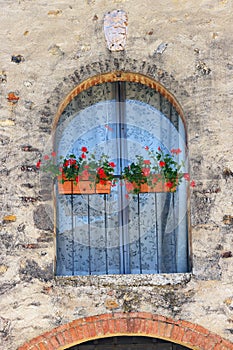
128	342
120	114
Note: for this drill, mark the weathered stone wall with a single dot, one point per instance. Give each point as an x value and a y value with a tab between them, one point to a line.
46	50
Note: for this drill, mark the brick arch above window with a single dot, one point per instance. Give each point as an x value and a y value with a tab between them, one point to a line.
81	330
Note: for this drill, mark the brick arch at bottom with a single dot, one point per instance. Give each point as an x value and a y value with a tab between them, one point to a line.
181	332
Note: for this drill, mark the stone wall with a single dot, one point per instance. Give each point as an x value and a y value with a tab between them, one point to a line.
46	50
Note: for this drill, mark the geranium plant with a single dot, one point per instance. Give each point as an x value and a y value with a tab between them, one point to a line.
85	167
160	166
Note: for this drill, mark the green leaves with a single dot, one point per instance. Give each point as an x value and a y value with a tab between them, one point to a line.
160	163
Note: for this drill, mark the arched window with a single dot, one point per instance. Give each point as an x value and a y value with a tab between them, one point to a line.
115	233
127	343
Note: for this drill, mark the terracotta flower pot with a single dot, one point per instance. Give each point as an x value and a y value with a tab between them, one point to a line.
158	185
82	187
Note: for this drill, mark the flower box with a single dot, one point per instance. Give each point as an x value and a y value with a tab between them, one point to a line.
159	184
82	187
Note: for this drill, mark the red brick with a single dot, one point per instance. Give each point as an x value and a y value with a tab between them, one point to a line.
201	341
130	325
195	338
149	326
49	346
53	340
161	318
85	331
201	329
121	326
104	317
223	346
111	326
228	345
91	330
211	341
104	326
60	338
73	334
168	330
119	315
88	319
161	329
188	334
177	333
145	315
47	335
76	323
79	331
137	326
169	320
41	346
133	315
24	347
38	339
187	324
218	338
155	330
101	327
66	335
143	326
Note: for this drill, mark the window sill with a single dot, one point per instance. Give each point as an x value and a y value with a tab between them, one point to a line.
126	280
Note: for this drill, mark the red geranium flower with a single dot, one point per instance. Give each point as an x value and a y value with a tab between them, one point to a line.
147	161
53	154
146	148
70	162
192	183
162	164
46	157
112	164
83	156
38	164
101	173
84	149
102	182
169	184
146	171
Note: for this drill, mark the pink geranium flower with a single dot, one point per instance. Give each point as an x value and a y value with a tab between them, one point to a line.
176	151
186	176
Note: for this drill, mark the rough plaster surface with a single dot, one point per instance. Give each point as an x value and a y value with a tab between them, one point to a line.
46	50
